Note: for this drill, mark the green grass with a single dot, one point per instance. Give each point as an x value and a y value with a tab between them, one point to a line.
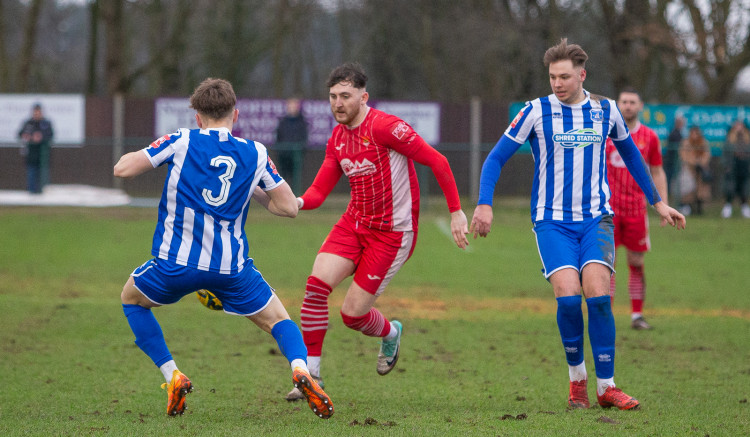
481	352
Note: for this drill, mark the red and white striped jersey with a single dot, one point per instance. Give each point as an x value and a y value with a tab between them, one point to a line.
377	156
627	198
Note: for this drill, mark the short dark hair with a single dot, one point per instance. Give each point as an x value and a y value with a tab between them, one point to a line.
564	51
350	72
630	90
214	98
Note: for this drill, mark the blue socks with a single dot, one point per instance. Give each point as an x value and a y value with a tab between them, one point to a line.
570	324
289	339
602	335
601	332
148	334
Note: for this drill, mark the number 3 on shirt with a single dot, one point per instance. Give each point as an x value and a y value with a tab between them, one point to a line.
218	161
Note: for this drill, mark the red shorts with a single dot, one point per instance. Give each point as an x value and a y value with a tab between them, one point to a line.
377	255
632	232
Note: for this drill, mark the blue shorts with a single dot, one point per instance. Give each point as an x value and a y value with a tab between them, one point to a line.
573	245
164	282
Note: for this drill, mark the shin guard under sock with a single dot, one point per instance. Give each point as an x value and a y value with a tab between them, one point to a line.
570	324
314	315
602	335
636	288
148	334
289	339
372	324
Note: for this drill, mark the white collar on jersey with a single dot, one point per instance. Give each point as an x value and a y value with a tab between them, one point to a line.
205	131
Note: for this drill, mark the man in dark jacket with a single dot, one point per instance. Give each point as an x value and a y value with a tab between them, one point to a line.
291	140
37	133
671	154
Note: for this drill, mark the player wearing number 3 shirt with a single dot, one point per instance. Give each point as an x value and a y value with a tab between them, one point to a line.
200	241
377	233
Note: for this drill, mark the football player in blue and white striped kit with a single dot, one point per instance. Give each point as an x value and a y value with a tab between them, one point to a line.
200	241
570	211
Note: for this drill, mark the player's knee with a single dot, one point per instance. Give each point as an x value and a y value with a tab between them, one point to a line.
316	286
126	296
636	268
353	322
563	290
132	296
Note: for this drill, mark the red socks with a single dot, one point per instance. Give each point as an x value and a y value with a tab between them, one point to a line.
314	315
636	288
314	318
373	324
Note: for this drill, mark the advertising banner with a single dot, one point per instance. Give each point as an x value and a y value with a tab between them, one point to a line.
67	112
258	118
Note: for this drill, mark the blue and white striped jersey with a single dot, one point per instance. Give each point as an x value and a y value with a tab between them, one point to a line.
211	178
568	143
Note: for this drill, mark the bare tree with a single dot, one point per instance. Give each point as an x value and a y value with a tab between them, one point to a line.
657	45
168	43
720	51
119	77
93	52
30	37
281	28
672	50
4	70
113	14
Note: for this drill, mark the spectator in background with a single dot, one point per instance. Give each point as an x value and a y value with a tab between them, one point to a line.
36	133
671	155
737	167
291	140
695	175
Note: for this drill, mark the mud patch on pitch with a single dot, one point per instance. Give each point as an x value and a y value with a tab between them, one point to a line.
371	422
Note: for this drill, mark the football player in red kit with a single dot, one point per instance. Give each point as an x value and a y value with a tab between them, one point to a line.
629	202
376	235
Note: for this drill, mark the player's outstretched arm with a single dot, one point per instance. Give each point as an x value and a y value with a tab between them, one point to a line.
459	228
481	222
328	175
278	201
132	164
670	215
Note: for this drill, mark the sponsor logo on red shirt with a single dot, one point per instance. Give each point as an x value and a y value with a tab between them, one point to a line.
400	130
357	168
